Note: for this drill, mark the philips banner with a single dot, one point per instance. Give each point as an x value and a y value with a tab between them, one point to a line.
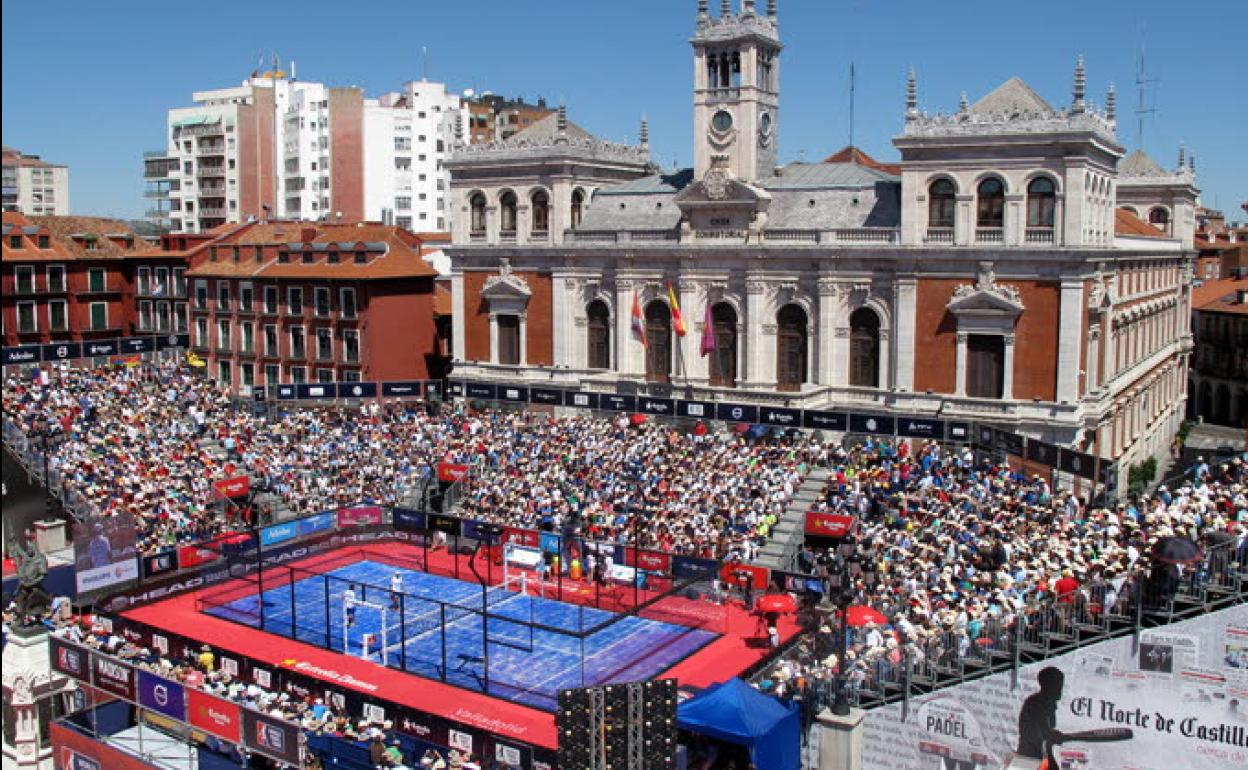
104	552
1178	701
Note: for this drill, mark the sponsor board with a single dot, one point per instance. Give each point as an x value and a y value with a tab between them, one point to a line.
357	390
402	389
160	563
821	420
113	676
651	561
918	427
237	486
214	715
874	424
70	659
736	412
697	410
409	520
359	516
162	695
547	396
828	524
109	575
278	533
319	522
785	418
272	737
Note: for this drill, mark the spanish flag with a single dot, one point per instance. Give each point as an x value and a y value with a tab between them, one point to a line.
638	322
678	320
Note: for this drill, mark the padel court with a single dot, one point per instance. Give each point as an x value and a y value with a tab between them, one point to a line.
511	639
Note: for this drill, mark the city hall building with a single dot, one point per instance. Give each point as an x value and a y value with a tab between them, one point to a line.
990	275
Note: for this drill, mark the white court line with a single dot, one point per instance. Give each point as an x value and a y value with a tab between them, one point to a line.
468	614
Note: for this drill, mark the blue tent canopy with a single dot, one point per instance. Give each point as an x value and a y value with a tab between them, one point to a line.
737	713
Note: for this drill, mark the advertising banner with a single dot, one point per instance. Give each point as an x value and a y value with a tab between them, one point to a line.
104	552
26	354
160	694
697	410
71	750
580	400
278	533
835	421
550	542
876	424
214	715
237	486
195	555
401	389
547	396
317	523
70	659
735	574
659	406
408	520
357	390
828	524
476	530
113	676
692	568
921	427
160	563
785	418
452	472
513	393
1173	702
446	524
736	412
271	737
651	561
526	537
617	402
359	516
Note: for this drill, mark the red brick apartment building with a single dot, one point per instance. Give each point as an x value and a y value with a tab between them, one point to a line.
295	302
76	279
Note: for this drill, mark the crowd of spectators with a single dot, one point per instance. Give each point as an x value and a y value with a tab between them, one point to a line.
313	714
150	440
963	557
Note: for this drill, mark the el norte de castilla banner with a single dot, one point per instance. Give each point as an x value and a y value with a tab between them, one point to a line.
1177	700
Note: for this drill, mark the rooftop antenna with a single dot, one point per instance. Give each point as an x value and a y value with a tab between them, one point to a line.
851	109
1142	81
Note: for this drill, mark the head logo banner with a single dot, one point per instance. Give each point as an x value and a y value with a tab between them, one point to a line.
214	715
162	695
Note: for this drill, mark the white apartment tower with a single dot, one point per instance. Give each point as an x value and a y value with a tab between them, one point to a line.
279	147
34	186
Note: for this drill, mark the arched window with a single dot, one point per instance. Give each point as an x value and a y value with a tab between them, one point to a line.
1160	218
477	203
578	205
791	348
1041	202
991	208
941	204
724	356
658	342
864	348
599	335
507	206
541	212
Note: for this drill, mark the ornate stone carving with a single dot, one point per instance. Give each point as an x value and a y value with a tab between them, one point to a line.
986	282
716	182
827	288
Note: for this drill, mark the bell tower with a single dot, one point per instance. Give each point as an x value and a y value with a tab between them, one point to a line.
736	96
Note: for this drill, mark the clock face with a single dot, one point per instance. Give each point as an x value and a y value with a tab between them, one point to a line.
722	121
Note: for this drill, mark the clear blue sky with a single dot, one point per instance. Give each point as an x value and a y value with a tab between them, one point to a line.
88	84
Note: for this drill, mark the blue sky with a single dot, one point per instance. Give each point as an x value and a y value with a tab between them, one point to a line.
88	84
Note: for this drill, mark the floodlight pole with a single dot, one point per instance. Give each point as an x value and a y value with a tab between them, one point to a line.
840	706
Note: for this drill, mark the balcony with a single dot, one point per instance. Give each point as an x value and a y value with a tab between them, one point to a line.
939	235
990	235
203	129
211	212
1039	236
210	150
210	172
211	190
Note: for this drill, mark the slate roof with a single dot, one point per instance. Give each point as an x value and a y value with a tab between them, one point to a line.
1013	97
1139	163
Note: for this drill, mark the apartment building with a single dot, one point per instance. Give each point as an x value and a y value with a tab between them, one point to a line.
290	302
277	147
32	185
1218	384
77	279
493	118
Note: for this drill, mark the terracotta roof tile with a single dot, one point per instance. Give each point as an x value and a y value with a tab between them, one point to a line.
856	156
1220	296
1126	223
62	242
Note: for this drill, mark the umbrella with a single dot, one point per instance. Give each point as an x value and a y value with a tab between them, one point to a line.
637	419
860	615
1175	550
776	603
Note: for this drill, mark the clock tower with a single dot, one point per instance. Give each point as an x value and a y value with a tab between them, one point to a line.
736	96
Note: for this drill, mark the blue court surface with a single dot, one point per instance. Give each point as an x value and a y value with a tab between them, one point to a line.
521	663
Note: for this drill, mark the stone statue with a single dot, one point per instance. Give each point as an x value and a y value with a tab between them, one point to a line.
30	599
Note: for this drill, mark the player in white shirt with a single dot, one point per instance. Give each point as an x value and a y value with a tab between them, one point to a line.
396	590
348	604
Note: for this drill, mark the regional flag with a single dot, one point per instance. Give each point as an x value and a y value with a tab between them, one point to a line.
678	320
708	333
639	323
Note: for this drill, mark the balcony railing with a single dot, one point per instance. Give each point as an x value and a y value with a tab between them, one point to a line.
990	235
211	129
213	212
939	235
210	149
1039	235
211	190
210	171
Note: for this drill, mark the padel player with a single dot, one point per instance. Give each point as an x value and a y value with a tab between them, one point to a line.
396	590
348	604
